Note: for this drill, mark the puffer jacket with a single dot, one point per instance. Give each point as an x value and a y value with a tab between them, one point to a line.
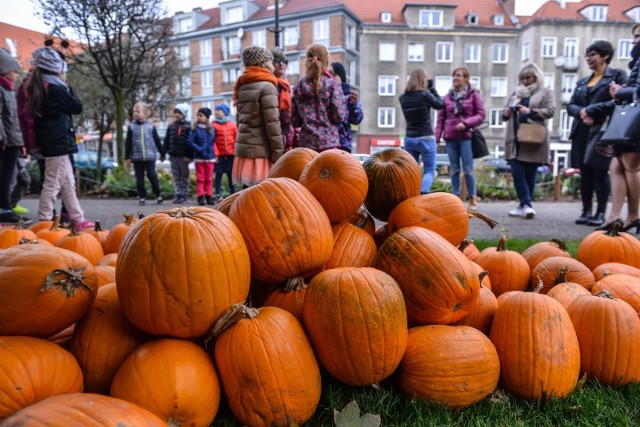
55	135
225	139
142	143
201	142
176	141
10	128
473	114
259	132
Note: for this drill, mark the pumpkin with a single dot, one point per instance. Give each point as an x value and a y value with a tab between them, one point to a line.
63	338
85	409
560	269
287	232
608	330
381	234
267	367
482	314
621	286
32	370
82	243
103	339
53	233
40	225
614	268
565	293
27	241
10	236
469	249
289	298
292	163
106	274
483	275
439	283
108	259
508	270
394	176
540	251
188	392
613	245
178	270
117	233
43	289
453	365
363	219
537	346
338	181
98	233
356	319
225	204
352	247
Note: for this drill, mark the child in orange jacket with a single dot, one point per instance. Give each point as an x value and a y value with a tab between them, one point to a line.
226	131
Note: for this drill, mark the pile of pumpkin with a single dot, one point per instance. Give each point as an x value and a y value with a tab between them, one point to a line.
250	301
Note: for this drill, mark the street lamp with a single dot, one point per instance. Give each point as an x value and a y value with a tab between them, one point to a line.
276	30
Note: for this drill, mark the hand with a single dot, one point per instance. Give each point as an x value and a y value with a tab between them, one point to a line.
524	110
215	160
461	126
614	88
128	162
583	114
587	121
506	112
353	98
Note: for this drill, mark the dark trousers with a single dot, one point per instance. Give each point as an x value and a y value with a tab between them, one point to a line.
593	179
224	167
140	167
524	180
8	162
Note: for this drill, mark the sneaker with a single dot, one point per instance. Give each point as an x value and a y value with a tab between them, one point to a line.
141	201
517	211
177	200
159	199
20	210
10	218
201	200
528	212
84	224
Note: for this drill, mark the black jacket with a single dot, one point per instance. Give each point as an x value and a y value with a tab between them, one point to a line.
176	140
416	107
55	135
632	88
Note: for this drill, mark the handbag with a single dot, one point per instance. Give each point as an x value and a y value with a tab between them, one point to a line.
533	134
478	143
623	128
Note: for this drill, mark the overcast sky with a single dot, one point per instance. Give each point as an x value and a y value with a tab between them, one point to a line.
20	12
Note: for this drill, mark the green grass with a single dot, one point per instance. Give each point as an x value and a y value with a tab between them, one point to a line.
519	245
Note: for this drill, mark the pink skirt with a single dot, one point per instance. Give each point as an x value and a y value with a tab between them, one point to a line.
249	172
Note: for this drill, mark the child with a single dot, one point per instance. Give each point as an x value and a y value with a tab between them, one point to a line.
176	143
225	139
201	142
354	108
142	148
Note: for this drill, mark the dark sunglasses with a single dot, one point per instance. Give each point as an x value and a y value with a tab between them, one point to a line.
281	62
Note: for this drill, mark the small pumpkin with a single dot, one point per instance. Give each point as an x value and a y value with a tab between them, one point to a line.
481	317
108	259
621	286
10	236
614	268
567	292
98	233
289	298
117	233
613	245
225	204
560	269
84	244
53	233
292	163
540	251
352	247
508	270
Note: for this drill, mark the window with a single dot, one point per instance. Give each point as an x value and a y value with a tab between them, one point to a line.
387	51
291	36
415	52
442	84
624	49
185	87
351	70
184	24
495	118
570	47
351	36
184	53
386	117
472	53
549	80
444	52
387	85
500	53
230	75
231	46
205	52
321	31
385	17
526	51
598	13
259	38
207	82
207	104
549	47
498	86
234	14
568	84
473	19
293	68
566	121
498	20
430	18
475	82
634	14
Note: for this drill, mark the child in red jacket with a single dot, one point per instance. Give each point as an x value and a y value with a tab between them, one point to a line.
226	131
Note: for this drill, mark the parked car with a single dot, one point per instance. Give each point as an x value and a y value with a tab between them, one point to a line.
442	164
496	164
89	159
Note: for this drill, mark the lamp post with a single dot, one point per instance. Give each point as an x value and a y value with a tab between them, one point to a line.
276	30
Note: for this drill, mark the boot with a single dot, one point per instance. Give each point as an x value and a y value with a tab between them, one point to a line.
585	217
473	202
210	200
201	200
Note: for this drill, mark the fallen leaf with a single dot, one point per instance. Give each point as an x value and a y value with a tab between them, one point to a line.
350	417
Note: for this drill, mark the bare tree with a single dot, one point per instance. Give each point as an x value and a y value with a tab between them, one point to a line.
124	42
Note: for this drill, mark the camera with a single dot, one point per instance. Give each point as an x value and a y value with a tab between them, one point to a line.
514	108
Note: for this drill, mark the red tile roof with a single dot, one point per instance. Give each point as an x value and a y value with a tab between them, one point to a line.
24	40
553	10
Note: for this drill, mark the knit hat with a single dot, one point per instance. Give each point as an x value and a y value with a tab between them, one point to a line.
7	62
278	55
205	111
256	55
49	60
182	109
340	71
224	108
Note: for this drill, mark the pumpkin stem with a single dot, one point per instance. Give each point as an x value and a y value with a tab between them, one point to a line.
128	219
325	173
606	273
71	280
236	313
74	228
175	422
97	227
56	223
20	225
539	286
477	214
140	215
605	294
560	243
482	275
27	241
295	283
614	231
501	243
562	276
181	213
363	217
463	245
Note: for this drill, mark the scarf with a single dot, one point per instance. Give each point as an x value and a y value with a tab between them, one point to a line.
635	55
523	92
6	83
457	97
54	79
284	95
222	121
251	75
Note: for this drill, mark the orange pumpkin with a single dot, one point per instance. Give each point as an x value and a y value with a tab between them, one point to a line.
10	236
292	163
63	338
560	269
508	270
483	275
540	251
82	243
614	268
117	233
362	219
109	260
32	370
290	298
106	274
600	247
54	233
621	286
40	225
565	293
482	314
225	204
352	247
469	249
98	233
178	270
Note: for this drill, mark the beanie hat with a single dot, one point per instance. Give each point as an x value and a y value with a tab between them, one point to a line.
340	71
49	60
182	109
205	112
256	55
224	108
278	55
7	62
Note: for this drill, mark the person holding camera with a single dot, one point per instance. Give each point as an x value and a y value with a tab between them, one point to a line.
354	108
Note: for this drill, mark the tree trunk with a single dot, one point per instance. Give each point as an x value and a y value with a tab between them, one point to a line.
119	101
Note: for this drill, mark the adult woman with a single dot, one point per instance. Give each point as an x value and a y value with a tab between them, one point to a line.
280	63
530	103
419	97
463	110
590	105
625	166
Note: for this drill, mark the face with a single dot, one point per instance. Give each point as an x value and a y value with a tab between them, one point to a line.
201	118
11	76
269	65
594	60
528	79
335	76
280	67
139	113
219	114
459	80
636	36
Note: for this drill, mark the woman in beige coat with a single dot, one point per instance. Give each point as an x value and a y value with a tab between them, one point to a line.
531	102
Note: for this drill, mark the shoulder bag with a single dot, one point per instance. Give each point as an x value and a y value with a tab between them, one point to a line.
623	128
478	143
531	134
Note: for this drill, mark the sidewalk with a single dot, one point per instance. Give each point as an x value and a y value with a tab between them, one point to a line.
555	220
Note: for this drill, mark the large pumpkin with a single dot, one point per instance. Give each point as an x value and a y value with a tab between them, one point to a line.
439	283
508	270
178	270
356	319
292	163
613	245
43	289
11	236
621	286
352	247
567	292
287	232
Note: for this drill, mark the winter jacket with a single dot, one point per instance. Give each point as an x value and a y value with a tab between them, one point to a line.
201	142
176	140
354	117
632	88
225	138
259	133
472	115
318	116
55	135
416	108
10	134
27	123
142	143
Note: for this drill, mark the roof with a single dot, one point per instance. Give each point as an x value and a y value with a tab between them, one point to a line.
25	41
552	10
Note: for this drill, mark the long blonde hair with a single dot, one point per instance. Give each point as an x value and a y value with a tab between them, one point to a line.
317	62
418	81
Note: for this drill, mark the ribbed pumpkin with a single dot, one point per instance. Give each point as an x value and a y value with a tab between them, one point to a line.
43	289
117	233
98	233
560	269
292	163
40	225
225	205
188	391
103	339
357	321
537	346
608	330
469	249
338	181
290	298
82	243
178	270
453	365
508	270
483	275
540	251
363	219
565	293
600	247
10	236
84	409
614	268
53	233
394	176
267	367
287	232
621	286
352	247
439	283
109	259
381	234
63	338
32	370
106	274
482	314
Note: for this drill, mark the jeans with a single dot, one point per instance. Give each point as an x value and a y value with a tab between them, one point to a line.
524	180
424	147
140	167
460	149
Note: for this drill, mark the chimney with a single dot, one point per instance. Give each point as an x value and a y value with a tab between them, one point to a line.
510	6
